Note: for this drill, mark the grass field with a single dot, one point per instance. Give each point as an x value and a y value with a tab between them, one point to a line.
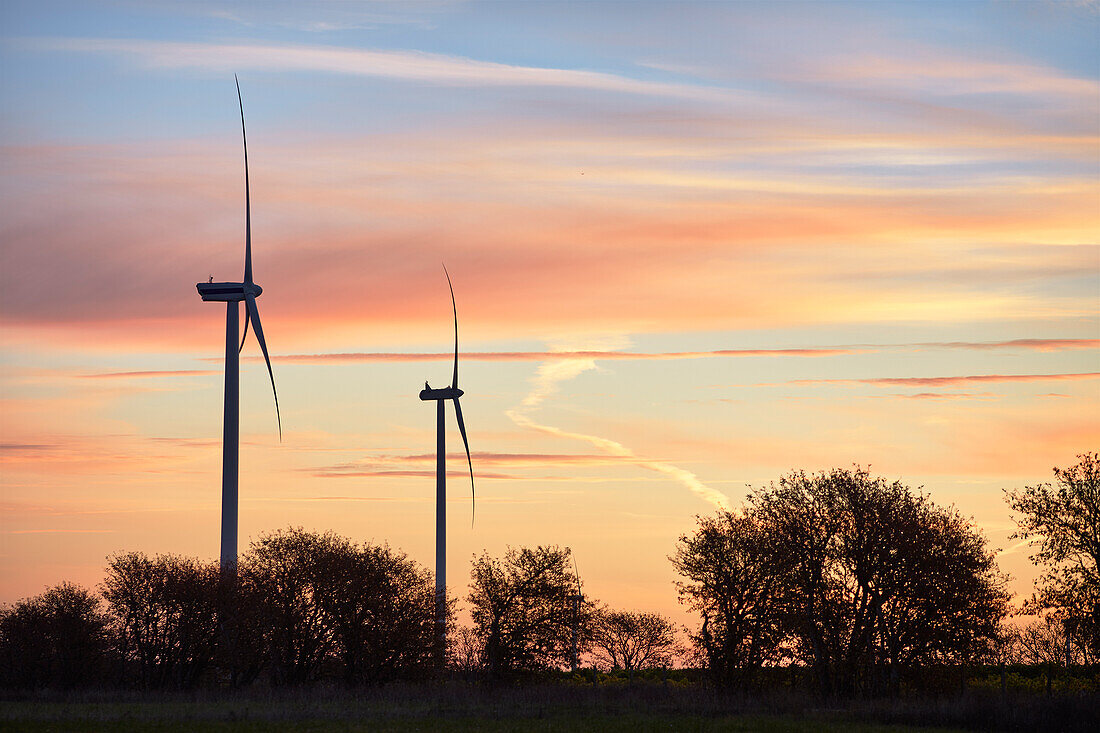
149	720
454	707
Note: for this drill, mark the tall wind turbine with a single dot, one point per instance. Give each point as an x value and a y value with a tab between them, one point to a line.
232	294
441	396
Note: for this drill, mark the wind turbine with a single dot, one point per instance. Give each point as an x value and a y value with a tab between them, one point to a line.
441	396
232	294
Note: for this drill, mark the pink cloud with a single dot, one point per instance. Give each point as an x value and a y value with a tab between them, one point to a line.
1033	344
406	474
950	381
123	276
144	374
554	355
939	396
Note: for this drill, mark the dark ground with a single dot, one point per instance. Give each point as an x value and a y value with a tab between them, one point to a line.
635	708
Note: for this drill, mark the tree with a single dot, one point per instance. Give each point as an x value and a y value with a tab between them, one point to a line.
464	650
731	580
325	601
380	609
881	578
1064	520
281	569
522	608
633	640
164	610
853	576
56	639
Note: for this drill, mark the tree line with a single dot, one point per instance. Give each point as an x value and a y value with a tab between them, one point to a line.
850	583
309	606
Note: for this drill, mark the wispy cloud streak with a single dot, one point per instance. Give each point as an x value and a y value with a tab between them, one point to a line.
544	356
949	381
545	383
416	66
611	355
1031	344
151	374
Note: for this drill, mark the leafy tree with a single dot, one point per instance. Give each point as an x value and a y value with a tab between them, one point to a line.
522	608
881	578
164	610
632	640
56	639
856	577
1064	520
324	600
731	580
380	608
281	569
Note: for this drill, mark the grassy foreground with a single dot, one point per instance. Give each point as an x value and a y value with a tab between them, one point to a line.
150	720
455	707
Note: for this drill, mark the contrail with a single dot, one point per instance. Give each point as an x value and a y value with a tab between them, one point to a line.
1014	548
545	383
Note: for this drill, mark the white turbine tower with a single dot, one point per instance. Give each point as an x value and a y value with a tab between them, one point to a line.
232	294
441	396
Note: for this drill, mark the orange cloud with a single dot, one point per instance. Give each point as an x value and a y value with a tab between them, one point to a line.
605	251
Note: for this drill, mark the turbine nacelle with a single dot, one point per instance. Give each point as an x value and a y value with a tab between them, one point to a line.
446	393
228	292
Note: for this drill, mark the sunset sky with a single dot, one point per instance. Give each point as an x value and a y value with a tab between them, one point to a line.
694	247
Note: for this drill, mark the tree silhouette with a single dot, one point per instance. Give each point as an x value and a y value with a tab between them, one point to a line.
324	600
56	639
632	640
522	608
865	579
281	567
380	609
164	610
1065	520
733	579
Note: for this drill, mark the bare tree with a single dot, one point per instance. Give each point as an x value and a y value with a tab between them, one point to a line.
465	649
633	640
1042	641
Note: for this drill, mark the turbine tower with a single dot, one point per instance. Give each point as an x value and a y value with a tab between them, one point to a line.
232	294
577	599
441	396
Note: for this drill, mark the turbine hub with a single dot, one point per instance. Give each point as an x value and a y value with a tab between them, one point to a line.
224	292
446	393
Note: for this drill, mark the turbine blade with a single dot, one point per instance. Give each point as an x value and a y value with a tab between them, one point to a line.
577	573
465	442
247	198
245	334
454	377
254	316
